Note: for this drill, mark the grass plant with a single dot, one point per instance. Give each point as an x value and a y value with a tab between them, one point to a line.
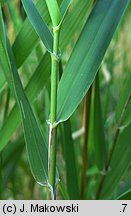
65	99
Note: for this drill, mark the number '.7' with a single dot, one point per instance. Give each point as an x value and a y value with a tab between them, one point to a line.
124	207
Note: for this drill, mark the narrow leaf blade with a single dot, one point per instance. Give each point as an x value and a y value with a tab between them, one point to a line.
35	143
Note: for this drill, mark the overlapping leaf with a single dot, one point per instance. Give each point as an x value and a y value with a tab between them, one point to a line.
42	72
27	37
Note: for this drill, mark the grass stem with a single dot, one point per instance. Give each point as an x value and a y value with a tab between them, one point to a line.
53	110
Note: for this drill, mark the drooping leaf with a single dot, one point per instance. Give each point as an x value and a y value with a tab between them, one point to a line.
87	56
39	24
120	161
35	143
100	148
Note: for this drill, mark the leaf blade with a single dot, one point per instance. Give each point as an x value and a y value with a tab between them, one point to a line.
35	143
83	68
32	91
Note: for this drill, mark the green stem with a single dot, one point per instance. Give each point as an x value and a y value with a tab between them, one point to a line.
53	110
54	78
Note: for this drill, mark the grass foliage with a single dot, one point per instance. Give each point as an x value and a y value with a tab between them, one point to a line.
65	99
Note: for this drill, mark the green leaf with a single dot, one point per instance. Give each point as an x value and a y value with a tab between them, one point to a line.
74	22
14	16
2	2
125	196
38	24
10	157
32	90
63	190
100	147
2	37
27	38
35	143
42	72
119	163
64	6
123	111
87	56
2	81
71	172
54	11
124	187
3	59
